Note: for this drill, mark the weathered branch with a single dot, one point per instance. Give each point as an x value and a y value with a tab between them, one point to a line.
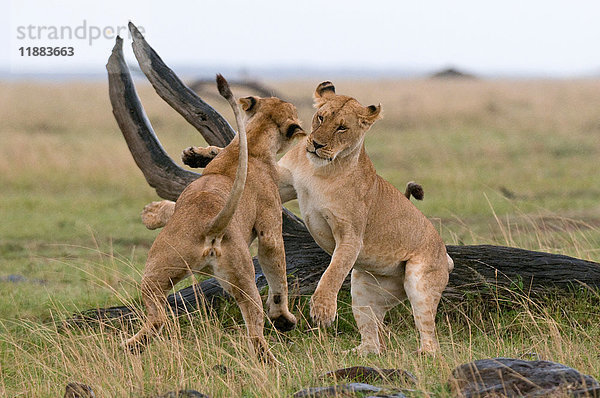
213	127
159	169
476	267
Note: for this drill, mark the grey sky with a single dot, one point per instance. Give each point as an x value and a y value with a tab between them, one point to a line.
547	38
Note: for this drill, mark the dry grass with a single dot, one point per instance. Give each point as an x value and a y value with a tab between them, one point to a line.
208	351
502	162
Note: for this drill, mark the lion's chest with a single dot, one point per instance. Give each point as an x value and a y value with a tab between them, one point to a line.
315	211
319	229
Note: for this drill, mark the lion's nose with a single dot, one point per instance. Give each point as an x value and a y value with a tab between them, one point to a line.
317	145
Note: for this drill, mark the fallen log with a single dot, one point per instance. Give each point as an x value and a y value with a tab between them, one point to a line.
475	267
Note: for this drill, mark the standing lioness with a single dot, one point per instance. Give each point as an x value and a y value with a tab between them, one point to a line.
218	215
364	223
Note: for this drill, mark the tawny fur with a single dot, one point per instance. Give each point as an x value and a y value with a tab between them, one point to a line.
178	250
365	223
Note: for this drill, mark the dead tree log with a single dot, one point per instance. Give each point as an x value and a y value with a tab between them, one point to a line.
476	267
213	127
161	172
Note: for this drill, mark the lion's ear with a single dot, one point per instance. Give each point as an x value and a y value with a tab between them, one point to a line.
325	89
323	92
374	111
249	104
294	130
372	114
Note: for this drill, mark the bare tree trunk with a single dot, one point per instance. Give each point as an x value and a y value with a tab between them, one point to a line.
476	267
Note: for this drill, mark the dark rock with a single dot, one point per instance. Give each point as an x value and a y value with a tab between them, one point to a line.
365	374
507	377
78	390
348	390
16	278
183	394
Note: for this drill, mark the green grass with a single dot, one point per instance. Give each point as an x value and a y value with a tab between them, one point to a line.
510	163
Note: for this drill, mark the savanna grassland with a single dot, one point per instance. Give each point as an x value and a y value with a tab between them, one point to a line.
502	162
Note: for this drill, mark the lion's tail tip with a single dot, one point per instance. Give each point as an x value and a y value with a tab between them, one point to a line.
223	87
414	189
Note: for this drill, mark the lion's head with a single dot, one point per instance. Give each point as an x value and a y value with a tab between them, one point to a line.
273	115
338	126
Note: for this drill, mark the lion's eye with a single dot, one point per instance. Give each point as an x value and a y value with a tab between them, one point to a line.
341	129
320	119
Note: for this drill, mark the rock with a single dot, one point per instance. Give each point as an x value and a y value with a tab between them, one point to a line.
183	394
17	278
78	390
507	377
348	390
13	278
365	374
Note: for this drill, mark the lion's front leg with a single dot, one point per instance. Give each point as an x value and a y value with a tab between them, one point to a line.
285	182
323	304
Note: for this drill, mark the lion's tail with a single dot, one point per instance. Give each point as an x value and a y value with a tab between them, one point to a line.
214	233
450	263
414	189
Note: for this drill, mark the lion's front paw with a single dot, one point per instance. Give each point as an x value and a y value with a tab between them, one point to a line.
428	350
198	157
284	322
323	309
366	349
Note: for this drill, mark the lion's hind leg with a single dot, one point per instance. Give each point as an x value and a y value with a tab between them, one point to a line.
154	300
372	297
271	257
158	279
235	273
424	282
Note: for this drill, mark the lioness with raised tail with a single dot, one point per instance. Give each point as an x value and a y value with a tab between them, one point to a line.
216	218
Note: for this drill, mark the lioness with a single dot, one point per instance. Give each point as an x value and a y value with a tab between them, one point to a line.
217	217
359	218
364	222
